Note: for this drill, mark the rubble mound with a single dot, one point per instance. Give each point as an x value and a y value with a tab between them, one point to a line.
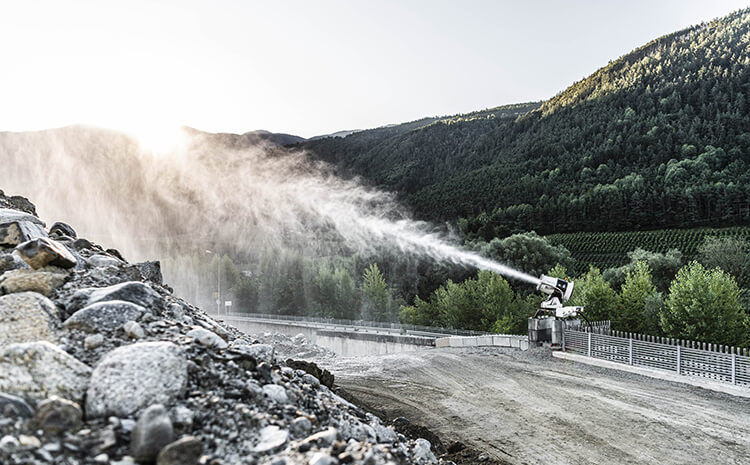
101	364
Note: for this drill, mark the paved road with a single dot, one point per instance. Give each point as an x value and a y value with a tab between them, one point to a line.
529	408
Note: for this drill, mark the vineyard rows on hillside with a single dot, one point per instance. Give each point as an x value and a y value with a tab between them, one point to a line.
610	249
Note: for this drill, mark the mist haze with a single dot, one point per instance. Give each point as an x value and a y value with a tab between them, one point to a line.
236	195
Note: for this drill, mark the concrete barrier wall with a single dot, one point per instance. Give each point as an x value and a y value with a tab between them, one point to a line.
260	327
342	342
518	342
346	346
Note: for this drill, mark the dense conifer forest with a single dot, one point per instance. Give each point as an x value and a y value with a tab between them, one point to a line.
659	138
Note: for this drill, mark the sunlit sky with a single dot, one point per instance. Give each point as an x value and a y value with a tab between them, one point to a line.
306	67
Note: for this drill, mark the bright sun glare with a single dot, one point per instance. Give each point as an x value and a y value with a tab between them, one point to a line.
159	139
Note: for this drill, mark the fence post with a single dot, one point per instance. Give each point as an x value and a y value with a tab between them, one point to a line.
589	334
565	327
630	351
679	352
734	368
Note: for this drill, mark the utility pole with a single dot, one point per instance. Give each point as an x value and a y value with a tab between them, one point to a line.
218	285
218	280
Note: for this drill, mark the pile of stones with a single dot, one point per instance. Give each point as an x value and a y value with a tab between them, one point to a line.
101	364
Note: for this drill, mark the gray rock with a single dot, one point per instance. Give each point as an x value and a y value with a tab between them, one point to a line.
131	291
276	393
184	451
384	434
301	426
26	317
133	330
152	431
253	389
182	417
11	261
8	215
63	229
38	370
23	280
43	251
422	453
14	407
207	338
260	352
134	376
127	424
56	415
271	438
103	439
103	260
311	380
215	327
93	341
9	443
104	316
18	232
83	244
177	312
151	271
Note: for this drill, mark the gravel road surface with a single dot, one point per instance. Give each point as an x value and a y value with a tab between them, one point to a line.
530	408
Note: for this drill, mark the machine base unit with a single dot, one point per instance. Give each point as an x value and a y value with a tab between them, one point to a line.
548	330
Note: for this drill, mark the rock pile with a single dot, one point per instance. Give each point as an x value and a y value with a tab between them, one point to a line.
101	364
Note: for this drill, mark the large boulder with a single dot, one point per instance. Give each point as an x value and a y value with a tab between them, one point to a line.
135	376
8	215
41	281
18	232
104	316
131	291
44	251
26	317
38	370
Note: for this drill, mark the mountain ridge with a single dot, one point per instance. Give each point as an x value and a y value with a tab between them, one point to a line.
656	138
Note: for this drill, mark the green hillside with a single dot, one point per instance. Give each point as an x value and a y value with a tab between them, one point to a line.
609	249
657	139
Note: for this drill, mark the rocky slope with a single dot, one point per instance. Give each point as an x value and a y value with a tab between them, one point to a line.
100	363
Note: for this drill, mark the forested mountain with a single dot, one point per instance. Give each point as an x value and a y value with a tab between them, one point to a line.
659	138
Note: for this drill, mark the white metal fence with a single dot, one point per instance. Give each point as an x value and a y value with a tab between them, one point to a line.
691	358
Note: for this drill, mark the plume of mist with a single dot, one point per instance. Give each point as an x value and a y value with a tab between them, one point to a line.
212	191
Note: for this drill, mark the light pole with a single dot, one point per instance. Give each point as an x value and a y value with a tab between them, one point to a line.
218	280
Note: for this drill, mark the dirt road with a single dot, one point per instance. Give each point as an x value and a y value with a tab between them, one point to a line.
529	408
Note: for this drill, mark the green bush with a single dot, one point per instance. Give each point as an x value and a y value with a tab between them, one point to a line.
704	305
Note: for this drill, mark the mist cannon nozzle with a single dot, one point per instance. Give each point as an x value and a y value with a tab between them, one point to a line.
555	287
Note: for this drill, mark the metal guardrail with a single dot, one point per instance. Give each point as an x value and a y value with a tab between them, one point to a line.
726	364
414	330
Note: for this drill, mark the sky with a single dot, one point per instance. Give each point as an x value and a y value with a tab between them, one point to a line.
306	67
